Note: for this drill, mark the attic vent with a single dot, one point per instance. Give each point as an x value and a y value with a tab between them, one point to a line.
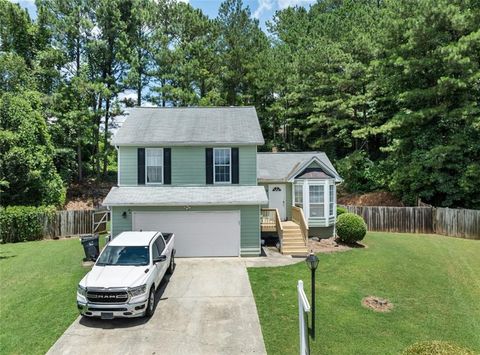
276	189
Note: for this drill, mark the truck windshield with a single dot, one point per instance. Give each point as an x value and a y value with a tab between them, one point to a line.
124	255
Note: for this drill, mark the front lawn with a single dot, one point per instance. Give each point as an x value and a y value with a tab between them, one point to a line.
433	281
38	282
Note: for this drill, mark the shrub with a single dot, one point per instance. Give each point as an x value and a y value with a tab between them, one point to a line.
23	223
351	227
436	347
341	210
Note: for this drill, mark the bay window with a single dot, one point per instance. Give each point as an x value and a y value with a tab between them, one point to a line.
298	189
331	200
317	200
154	165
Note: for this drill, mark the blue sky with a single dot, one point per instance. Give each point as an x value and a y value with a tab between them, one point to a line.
261	9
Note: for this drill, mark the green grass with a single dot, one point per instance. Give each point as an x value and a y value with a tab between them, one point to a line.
38	282
433	281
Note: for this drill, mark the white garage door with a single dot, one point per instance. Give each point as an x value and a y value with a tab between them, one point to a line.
196	233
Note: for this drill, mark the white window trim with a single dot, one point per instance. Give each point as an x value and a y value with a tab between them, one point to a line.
325	212
298	183
146	166
334	201
306	197
229	182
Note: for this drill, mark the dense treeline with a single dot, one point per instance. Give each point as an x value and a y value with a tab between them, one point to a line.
389	89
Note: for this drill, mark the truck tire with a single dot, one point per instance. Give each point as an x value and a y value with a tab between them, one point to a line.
171	266
151	303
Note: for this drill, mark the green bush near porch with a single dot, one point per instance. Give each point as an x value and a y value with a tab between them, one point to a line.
433	282
351	228
341	210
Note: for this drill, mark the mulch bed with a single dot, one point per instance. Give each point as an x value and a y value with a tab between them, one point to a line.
330	245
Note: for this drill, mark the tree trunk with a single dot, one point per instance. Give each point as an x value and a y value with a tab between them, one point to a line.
139	93
97	137
139	83
77	56
105	138
79	157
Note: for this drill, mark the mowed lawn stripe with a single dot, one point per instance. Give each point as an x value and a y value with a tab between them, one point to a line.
430	279
38	282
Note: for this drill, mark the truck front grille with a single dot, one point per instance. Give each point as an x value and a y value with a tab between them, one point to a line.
107	296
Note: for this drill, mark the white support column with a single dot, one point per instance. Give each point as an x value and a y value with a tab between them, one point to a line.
326	197
306	199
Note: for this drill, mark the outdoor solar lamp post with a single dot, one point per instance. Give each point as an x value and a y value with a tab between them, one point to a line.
312	263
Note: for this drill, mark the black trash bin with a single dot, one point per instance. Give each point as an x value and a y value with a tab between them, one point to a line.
90	246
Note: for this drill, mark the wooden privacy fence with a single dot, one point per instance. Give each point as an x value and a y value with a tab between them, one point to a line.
458	222
461	223
67	223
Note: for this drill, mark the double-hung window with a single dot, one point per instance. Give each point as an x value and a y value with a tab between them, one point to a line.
331	199
222	165
154	165
298	190
317	204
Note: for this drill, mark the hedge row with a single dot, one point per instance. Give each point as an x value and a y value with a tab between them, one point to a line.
22	223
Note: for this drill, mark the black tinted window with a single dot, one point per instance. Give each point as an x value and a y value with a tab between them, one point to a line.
160	244
155	252
124	255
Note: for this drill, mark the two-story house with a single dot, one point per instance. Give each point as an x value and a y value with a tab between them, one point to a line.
196	172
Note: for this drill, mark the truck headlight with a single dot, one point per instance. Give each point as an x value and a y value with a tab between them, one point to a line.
137	291
82	291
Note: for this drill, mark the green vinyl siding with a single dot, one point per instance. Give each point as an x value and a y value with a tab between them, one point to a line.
249	220
188	165
127	166
314	164
265	186
248	165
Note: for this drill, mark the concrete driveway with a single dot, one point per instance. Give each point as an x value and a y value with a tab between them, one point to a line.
206	307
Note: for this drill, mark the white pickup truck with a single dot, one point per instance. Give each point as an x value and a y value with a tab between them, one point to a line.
123	280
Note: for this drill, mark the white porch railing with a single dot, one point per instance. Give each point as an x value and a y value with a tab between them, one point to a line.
303	310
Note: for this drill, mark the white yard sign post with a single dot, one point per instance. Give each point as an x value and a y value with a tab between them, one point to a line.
303	309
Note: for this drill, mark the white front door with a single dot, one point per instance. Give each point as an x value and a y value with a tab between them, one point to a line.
196	233
277	198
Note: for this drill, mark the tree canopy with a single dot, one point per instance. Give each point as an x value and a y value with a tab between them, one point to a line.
389	89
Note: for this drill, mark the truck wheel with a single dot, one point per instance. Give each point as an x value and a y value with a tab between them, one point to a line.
151	303
171	267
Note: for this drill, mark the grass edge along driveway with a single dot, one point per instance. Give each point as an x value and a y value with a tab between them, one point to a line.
433	281
38	283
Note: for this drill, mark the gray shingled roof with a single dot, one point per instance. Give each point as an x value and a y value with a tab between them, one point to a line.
146	126
185	196
279	166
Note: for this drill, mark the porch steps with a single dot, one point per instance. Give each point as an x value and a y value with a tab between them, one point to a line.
292	242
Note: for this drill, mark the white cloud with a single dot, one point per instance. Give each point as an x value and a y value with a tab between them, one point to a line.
263	5
269	5
282	4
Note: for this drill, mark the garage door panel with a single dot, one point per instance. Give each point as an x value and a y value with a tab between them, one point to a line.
196	233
